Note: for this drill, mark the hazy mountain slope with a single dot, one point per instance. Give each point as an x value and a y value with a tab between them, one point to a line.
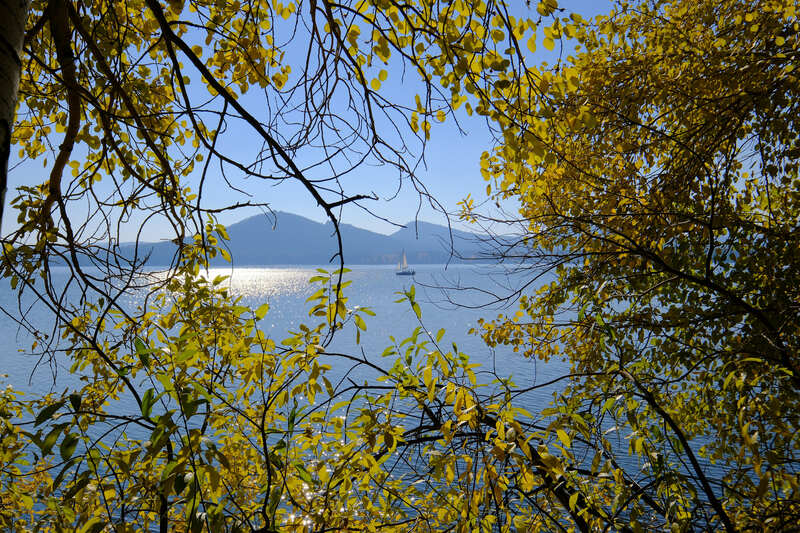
289	239
425	242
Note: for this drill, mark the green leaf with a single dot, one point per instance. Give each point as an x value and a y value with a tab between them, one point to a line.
328	387
168	470
261	312
185	355
68	446
178	484
60	477
82	480
95	525
75	400
50	440
274	499
303	473
291	418
47	413
608	404
191	405
148	399
360	322
142	351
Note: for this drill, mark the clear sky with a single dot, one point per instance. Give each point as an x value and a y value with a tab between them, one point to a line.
450	169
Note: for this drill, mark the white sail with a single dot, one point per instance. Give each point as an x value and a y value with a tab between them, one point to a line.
402	267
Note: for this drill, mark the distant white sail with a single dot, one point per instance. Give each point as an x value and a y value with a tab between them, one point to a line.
402	267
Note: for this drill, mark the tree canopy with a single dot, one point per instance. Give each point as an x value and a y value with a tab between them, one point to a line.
657	176
653	171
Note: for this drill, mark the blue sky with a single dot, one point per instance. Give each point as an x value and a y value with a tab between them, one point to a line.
450	169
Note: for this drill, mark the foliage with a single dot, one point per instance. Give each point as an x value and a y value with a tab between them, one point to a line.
656	173
186	416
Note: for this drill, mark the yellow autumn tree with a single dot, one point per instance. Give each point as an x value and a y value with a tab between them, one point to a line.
657	172
182	415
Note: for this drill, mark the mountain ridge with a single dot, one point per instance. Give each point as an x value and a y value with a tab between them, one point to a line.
290	239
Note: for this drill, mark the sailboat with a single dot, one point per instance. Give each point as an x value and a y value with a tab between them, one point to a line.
403	268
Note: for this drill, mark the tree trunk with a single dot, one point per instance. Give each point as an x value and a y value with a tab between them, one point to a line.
12	33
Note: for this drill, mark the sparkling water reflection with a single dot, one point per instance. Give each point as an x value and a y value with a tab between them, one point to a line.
260	283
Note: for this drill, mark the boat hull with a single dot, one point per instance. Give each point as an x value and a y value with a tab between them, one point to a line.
405	272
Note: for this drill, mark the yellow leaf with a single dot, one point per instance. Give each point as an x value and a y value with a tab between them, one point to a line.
563	437
450	473
532	43
573	500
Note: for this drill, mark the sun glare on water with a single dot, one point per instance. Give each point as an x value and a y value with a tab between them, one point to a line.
260	283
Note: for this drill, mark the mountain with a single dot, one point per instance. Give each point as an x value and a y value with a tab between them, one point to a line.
425	242
289	239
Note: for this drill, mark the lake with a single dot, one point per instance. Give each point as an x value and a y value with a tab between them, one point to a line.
286	289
